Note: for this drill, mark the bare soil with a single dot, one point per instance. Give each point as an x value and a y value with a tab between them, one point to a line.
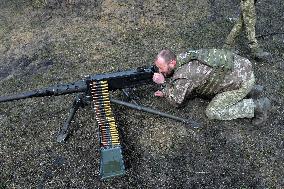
43	44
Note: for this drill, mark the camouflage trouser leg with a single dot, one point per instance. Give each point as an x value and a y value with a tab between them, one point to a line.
231	105
230	41
249	19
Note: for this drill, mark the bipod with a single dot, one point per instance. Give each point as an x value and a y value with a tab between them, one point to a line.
82	100
79	101
129	93
189	122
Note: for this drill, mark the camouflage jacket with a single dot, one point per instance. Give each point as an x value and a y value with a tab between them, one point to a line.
191	76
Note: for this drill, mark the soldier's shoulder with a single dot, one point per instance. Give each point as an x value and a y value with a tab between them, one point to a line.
186	69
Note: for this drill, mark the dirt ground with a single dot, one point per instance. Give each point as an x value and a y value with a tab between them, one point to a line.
43	43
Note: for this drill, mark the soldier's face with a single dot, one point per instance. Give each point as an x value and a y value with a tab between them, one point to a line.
165	68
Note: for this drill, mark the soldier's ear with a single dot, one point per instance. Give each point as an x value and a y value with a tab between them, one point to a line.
173	63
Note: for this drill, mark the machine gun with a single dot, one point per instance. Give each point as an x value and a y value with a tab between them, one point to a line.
95	90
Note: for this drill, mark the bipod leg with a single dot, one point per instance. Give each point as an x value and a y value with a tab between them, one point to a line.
189	121
128	92
64	131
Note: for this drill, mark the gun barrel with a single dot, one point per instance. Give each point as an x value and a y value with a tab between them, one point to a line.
116	80
61	89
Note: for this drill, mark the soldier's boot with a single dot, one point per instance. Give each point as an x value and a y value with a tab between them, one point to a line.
260	54
262	107
255	91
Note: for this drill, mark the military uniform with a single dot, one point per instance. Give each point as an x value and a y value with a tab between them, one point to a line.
247	22
229	89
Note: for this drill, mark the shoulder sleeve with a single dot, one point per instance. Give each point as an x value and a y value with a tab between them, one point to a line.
178	90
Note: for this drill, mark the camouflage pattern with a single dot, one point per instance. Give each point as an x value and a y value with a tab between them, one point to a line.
231	104
227	103
221	60
247	22
211	57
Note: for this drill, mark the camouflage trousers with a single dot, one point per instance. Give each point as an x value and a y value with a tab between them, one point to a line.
245	22
231	104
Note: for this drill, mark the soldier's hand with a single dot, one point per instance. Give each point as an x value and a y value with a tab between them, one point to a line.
158	78
159	93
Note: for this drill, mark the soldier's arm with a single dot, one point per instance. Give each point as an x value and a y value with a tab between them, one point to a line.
177	91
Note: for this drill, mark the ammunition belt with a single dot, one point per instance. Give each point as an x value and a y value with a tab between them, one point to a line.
111	163
104	116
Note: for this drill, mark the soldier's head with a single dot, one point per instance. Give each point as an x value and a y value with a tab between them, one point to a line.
166	61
